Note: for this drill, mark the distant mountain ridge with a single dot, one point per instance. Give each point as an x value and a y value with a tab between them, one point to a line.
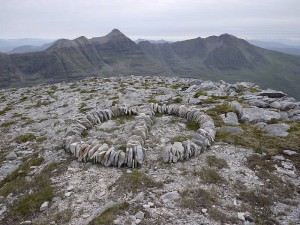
217	57
277	46
8	45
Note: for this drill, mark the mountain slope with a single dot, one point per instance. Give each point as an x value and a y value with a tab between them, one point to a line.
229	58
217	57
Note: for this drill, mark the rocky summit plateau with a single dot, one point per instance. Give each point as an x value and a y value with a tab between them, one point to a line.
148	150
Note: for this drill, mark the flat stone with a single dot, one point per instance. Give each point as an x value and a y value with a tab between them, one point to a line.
170	196
84	216
255	115
70	188
140	215
286	172
279	130
272	94
166	155
68	194
230	118
241	216
27	222
231	129
139	154
289	152
278	158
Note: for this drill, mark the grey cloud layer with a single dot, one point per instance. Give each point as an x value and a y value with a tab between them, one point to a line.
168	18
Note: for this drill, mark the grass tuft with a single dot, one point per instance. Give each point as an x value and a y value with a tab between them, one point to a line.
25	137
108	216
213	161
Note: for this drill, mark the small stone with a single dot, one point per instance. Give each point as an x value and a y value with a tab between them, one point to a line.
278	158
128	171
27	222
138	221
241	216
289	152
70	188
84	216
146	206
44	206
117	221
151	204
204	211
68	194
140	215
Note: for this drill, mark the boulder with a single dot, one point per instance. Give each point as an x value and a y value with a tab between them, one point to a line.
255	115
11	156
231	129
279	130
272	94
230	118
170	196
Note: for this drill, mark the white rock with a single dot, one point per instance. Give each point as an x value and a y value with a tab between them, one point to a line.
70	188
146	206
151	204
44	206
84	216
204	211
68	194
170	196
241	216
140	215
289	152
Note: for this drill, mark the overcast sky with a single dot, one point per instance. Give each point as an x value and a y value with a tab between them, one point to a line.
152	19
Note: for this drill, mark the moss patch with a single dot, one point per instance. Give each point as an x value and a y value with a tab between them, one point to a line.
209	176
192	125
108	216
25	137
134	182
213	161
195	199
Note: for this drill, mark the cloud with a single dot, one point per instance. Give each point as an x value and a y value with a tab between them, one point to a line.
161	18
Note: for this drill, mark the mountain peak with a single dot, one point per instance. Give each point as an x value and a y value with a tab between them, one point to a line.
115	32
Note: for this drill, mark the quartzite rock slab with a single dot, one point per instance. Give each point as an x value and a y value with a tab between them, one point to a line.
255	115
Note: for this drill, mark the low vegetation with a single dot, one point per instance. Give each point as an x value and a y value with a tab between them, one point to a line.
32	193
25	137
198	94
8	123
5	110
108	216
192	125
134	182
213	161
196	199
180	138
254	137
209	175
177	100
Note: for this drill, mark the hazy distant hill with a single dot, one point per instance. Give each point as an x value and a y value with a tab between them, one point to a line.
7	45
277	46
217	57
30	48
153	41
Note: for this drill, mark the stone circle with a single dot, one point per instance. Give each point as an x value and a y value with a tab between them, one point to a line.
134	155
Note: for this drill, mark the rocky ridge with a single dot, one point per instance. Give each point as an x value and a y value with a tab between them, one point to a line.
247	172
